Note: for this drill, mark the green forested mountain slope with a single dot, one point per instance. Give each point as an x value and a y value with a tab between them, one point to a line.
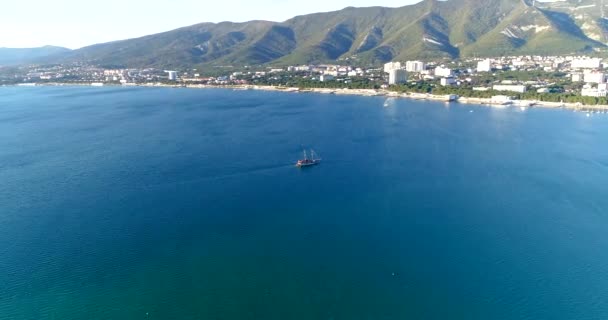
429	29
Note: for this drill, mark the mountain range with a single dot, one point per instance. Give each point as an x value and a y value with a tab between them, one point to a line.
14	56
372	35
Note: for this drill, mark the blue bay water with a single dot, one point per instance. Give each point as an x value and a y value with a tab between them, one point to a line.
140	203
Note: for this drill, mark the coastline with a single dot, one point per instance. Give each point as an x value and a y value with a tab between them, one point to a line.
363	92
418	96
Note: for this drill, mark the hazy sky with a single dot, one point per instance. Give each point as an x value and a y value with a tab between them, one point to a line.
76	23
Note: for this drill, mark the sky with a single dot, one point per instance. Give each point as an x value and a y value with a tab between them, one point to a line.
77	23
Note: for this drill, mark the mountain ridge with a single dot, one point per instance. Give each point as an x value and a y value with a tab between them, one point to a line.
370	35
15	56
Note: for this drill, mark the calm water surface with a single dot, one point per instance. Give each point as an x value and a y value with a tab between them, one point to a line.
134	203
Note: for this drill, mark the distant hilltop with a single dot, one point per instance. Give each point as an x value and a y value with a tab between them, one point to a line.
13	56
430	29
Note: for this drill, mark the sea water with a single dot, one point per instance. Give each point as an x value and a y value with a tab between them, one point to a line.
160	203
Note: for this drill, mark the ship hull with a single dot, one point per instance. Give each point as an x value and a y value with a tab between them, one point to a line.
301	165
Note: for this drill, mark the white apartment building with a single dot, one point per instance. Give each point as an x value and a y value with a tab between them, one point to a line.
443	72
447	81
501	100
589	91
515	63
397	76
303	68
484	66
415	66
594	77
172	75
510	87
481	88
391	66
585	63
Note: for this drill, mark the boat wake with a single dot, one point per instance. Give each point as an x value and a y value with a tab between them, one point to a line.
228	175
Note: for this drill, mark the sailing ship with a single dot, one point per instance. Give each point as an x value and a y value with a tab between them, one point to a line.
306	161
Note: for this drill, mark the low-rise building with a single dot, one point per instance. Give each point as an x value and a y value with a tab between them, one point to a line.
326	77
510	87
481	88
331	73
303	68
443	72
501	100
589	91
586	63
448	81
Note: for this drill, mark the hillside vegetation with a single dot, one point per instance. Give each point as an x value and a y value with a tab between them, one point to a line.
429	29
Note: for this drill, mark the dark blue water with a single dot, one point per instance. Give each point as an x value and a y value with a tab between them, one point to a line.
132	203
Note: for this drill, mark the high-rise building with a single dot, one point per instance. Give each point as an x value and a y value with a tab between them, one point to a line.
172	75
397	76
414	66
594	77
484	66
392	66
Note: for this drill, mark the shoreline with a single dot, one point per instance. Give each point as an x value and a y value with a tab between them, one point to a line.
417	96
358	92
